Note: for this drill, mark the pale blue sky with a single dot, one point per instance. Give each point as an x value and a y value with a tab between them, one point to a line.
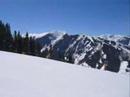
93	17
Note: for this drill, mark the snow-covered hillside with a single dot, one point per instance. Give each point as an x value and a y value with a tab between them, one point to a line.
27	76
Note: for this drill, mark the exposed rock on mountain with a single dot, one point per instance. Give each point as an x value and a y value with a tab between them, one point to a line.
101	52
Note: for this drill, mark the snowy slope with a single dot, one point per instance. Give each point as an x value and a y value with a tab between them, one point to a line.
27	76
38	35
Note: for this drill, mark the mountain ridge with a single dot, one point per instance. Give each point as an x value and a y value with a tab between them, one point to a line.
92	51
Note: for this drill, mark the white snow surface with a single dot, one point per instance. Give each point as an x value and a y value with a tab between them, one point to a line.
27	76
123	67
58	36
54	33
112	37
39	35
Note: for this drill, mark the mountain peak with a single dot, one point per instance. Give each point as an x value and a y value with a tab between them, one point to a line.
54	33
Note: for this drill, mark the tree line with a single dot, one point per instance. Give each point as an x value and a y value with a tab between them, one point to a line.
15	42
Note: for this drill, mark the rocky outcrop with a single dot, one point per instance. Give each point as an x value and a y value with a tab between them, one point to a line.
96	52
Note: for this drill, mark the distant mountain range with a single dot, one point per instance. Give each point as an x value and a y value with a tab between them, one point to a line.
106	52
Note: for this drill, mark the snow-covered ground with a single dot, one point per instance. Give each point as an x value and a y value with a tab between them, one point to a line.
27	76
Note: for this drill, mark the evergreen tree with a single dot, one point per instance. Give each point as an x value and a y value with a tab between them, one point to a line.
19	43
26	44
32	46
2	35
5	37
9	38
37	48
15	41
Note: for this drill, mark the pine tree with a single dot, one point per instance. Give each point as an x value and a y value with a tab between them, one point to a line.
26	44
6	38
2	34
15	41
37	48
32	46
19	43
9	38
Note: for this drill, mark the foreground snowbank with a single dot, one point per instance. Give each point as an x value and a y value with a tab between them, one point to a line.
27	76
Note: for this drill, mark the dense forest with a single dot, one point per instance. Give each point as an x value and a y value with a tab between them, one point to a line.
23	44
15	42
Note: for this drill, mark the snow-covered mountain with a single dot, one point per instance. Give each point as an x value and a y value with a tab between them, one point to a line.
27	76
102	52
